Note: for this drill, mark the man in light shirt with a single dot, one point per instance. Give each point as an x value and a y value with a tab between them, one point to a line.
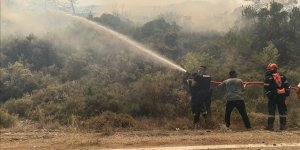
235	98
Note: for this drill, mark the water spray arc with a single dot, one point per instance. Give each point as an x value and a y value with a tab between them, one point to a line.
127	40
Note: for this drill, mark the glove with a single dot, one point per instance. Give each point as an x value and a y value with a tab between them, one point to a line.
286	101
186	75
189	82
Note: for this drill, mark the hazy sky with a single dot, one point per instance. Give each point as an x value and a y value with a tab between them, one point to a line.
194	16
145	2
135	2
89	2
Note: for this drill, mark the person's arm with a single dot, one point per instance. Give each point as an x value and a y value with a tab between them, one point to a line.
267	87
222	84
242	86
196	79
286	85
185	78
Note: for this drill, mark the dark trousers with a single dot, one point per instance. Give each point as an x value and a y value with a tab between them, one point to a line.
200	103
240	105
207	102
279	102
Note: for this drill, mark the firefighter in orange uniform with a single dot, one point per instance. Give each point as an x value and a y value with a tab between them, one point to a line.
277	90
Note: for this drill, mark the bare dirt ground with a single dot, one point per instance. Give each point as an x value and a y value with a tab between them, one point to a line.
42	139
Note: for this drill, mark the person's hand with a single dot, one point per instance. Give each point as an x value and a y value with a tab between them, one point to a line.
286	101
245	85
186	75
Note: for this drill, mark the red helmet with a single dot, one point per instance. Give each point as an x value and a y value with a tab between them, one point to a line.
272	67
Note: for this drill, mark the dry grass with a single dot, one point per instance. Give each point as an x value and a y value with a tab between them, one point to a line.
130	139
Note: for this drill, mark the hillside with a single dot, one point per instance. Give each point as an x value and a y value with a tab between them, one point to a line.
73	73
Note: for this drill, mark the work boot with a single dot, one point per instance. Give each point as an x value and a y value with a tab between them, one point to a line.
205	119
282	121
282	127
270	127
227	125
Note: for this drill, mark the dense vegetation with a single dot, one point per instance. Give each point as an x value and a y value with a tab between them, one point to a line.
93	89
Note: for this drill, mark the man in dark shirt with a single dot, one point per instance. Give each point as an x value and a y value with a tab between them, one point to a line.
199	84
277	90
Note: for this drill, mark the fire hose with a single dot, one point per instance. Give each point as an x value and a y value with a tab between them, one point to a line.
255	83
296	88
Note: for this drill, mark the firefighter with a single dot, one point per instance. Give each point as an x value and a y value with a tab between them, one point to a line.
235	99
199	84
277	90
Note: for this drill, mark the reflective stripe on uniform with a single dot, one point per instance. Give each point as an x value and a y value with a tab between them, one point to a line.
266	84
268	92
271	116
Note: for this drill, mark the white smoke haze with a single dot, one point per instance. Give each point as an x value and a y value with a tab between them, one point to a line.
41	18
72	32
21	21
192	15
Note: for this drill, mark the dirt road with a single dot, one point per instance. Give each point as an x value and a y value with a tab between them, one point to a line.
40	139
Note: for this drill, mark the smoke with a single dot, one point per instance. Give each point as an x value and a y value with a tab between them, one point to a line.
36	17
192	15
19	20
162	3
31	16
72	32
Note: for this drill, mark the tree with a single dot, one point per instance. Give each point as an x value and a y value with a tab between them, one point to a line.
122	25
34	51
272	24
90	16
269	54
17	80
160	34
72	2
192	61
74	69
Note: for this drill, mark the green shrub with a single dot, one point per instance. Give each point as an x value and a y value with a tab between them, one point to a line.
70	111
20	106
47	112
6	120
295	117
